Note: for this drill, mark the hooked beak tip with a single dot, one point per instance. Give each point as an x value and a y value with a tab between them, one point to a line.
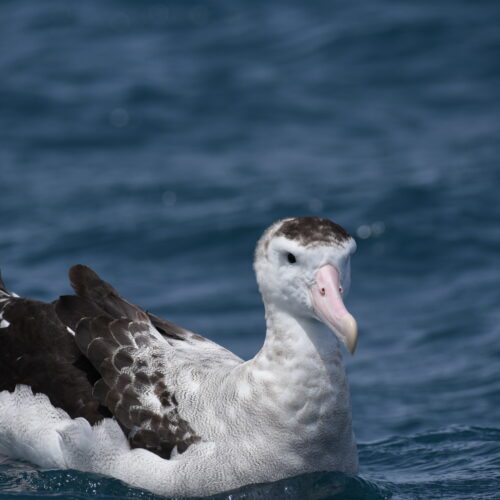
350	334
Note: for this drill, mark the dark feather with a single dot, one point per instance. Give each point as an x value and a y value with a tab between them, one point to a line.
88	285
167	328
104	369
2	284
38	351
71	309
117	349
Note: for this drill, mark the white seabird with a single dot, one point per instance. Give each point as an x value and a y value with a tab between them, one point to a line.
94	383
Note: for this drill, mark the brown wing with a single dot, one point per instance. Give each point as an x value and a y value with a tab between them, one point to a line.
129	359
37	350
89	286
120	371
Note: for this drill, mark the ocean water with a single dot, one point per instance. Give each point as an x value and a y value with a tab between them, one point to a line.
155	141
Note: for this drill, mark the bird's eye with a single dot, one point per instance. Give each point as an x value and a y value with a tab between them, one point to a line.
291	258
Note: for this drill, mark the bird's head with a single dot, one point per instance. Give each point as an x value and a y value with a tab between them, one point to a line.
302	267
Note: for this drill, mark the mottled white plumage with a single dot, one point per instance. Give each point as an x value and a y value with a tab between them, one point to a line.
285	412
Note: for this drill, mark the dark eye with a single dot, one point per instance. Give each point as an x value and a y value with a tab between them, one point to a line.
291	258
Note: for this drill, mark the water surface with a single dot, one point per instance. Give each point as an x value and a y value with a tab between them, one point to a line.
156	140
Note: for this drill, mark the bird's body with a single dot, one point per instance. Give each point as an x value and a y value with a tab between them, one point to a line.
126	394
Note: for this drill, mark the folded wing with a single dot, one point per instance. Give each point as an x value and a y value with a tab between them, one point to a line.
103	356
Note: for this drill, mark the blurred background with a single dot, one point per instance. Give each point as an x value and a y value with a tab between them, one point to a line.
156	140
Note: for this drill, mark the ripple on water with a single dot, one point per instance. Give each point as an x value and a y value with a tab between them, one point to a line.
454	462
19	479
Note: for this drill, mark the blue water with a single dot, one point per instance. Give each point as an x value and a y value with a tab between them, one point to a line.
156	140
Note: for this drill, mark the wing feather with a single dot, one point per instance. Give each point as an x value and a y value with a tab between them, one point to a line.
123	361
132	385
37	350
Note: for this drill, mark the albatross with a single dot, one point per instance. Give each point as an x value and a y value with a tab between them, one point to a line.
94	383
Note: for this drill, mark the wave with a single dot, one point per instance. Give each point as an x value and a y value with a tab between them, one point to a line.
457	461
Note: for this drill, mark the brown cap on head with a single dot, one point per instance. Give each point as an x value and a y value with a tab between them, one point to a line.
309	230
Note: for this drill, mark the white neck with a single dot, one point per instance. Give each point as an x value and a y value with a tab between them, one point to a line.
301	387
299	339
